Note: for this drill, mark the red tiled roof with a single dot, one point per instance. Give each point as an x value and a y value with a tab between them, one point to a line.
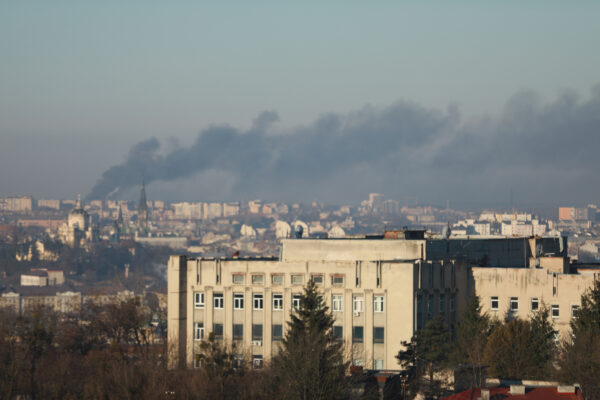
540	393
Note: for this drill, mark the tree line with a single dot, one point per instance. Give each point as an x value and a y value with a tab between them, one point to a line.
513	348
110	352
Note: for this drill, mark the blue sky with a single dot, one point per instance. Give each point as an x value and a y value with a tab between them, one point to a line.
105	75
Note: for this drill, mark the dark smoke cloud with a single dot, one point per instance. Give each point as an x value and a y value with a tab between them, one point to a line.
538	149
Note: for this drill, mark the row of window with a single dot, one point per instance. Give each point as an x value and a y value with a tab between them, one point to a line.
257	362
277	332
534	306
337	302
239	278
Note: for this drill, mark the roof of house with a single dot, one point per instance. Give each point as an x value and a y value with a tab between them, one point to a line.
531	393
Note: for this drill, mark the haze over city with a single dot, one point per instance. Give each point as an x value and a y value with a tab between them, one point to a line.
466	103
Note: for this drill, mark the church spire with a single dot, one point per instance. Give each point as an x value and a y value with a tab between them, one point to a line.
78	205
143	208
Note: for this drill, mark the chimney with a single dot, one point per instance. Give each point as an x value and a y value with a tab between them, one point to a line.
566	389
485	394
517	389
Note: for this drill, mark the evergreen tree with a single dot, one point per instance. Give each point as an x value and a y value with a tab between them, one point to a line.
472	335
580	357
311	364
392	390
522	349
371	388
427	353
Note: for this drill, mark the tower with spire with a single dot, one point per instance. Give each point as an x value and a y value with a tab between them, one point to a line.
142	212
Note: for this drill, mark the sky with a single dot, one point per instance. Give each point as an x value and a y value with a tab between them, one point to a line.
432	100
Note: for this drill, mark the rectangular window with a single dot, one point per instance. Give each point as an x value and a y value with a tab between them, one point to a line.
258	301
378	335
257	362
296	301
378	303
452	303
574	311
442	305
337	280
238	332
514	304
338	332
277	332
338	302
218	300
237	279
198	330
238	301
494	303
317	279
555	311
297	279
357	334
378	364
257	332
198	299
218	331
257	279
358	304
277	301
535	304
358	362
276	279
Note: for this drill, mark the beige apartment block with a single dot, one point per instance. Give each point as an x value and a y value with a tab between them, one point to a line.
376	304
520	292
380	288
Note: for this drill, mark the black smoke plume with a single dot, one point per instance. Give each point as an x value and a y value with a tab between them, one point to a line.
538	149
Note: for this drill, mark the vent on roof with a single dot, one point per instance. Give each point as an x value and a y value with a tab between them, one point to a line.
517	389
485	394
566	389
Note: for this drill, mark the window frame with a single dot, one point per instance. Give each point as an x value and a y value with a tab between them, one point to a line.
258	301
322	278
198	331
238	337
274	281
495	299
338	280
199	300
536	301
274	337
358	303
337	337
575	308
218	301
355	337
337	302
277	301
382	331
513	301
296	301
238	275
255	279
555	307
295	277
255	328
238	301
216	335
378	303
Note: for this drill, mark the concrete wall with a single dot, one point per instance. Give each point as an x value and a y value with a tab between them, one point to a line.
564	290
350	249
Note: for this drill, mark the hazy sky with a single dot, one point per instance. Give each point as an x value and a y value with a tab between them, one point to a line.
82	82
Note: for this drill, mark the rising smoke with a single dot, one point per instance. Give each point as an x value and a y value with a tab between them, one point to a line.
539	149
